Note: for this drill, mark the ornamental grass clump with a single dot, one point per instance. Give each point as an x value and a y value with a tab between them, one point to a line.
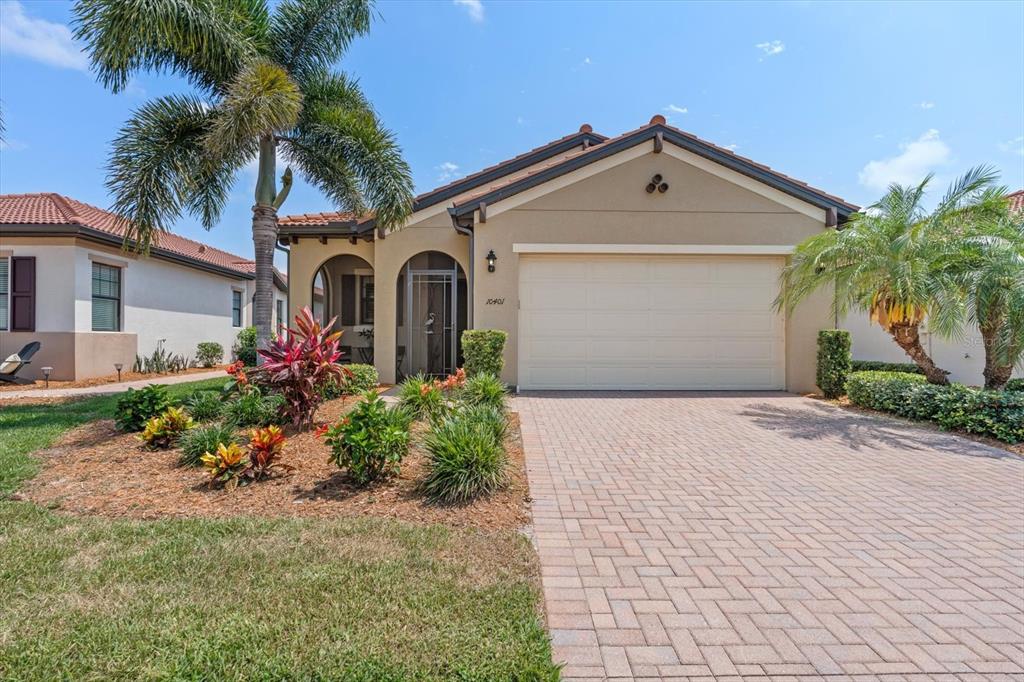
299	364
467	460
196	442
371	440
205	406
432	399
484	389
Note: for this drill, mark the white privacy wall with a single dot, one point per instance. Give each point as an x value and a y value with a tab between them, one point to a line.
964	359
162	300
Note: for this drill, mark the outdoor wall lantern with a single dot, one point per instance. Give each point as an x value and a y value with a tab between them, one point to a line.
118	366
46	375
491	258
657	184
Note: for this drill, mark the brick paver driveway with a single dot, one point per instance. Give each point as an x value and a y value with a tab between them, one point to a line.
697	535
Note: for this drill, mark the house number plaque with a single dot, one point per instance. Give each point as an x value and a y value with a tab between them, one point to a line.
495	301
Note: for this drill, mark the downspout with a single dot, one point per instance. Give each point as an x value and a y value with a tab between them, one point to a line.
470	276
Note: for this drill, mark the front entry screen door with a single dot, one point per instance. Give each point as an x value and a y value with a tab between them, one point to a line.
431	312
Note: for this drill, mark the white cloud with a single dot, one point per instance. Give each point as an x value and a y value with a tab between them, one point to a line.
474	8
38	39
915	160
447	172
586	60
771	48
675	109
925	104
1014	146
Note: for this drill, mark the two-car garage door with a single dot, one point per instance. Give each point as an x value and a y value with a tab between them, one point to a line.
650	322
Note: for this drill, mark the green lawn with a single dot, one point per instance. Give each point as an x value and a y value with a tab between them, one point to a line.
95	599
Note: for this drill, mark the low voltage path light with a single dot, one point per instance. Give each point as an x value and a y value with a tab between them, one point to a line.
118	366
46	375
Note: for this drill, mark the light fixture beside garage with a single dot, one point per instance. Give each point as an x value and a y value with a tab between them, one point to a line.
657	183
491	258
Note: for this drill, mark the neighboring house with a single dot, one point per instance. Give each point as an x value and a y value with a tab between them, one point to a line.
66	281
964	359
646	261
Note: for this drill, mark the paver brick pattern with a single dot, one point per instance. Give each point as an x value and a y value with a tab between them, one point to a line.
766	536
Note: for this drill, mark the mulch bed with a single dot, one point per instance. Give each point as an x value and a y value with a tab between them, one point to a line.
98	470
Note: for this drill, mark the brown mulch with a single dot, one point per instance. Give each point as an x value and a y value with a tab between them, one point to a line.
108	379
97	470
844	403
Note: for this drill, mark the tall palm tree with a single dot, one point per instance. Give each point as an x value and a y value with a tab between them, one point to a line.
988	263
263	86
883	261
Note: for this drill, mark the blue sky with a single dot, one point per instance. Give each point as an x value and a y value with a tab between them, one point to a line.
847	97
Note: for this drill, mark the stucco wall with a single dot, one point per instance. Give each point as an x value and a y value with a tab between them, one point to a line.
55	276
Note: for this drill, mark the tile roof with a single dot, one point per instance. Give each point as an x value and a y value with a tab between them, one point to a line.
1016	200
323	218
49	208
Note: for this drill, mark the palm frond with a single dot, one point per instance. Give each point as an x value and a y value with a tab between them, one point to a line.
307	36
261	100
206	41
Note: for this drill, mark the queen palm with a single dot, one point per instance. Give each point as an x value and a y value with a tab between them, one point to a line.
885	261
263	86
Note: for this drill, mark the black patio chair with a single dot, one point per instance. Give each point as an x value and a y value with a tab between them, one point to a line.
10	367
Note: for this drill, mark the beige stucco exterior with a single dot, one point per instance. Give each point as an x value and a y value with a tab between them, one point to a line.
603	203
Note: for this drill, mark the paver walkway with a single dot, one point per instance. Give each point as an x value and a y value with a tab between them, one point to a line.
103	389
728	536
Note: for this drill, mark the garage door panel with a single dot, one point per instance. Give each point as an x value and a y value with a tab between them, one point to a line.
650	322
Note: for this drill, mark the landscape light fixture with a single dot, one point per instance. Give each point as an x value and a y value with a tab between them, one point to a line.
118	366
491	258
46	376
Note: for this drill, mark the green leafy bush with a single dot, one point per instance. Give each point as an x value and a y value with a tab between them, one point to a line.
204	406
371	440
878	366
466	460
245	346
252	408
833	361
136	407
484	389
1015	385
482	350
999	414
362	378
196	442
209	353
423	398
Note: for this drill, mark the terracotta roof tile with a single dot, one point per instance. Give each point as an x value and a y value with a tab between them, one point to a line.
1016	200
54	209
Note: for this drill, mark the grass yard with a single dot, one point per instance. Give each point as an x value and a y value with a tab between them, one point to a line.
91	598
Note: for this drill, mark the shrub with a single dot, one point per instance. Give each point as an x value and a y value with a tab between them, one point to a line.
244	349
209	353
371	440
877	366
484	389
1014	385
999	414
489	417
204	406
300	364
196	442
163	431
161	362
361	378
226	464
466	461
833	361
483	351
423	397
265	448
252	408
136	407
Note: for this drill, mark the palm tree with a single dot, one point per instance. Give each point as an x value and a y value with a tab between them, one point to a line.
263	86
883	261
988	263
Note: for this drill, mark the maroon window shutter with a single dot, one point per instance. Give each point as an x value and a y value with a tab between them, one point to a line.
23	294
348	300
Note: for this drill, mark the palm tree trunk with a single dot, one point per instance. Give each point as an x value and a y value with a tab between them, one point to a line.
908	338
264	239
997	371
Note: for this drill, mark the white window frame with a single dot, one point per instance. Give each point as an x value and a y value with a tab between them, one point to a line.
119	299
241	308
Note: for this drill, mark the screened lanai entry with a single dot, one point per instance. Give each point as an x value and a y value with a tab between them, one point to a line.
431	315
343	288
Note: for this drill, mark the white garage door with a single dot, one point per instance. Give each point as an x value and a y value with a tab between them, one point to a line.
650	322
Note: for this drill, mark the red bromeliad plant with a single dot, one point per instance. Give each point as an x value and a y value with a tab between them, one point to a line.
299	363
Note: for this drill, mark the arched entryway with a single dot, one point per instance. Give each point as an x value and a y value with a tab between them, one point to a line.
343	288
431	315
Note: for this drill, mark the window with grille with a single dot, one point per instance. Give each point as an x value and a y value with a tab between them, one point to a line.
5	293
106	298
236	308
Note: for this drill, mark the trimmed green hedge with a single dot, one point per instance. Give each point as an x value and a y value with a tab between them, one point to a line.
482	351
999	414
878	366
833	361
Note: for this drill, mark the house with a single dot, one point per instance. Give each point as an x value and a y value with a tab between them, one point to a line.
645	261
963	358
66	281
